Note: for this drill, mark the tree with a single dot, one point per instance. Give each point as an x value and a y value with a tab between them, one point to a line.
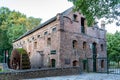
15	32
14	24
96	9
113	46
32	22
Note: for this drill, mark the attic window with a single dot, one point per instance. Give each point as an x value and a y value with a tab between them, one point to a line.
23	42
38	36
54	29
33	38
74	17
45	33
29	40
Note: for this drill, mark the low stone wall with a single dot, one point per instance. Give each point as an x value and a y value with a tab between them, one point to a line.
27	74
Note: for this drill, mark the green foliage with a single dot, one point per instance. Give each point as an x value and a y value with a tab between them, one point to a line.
12	25
34	22
96	9
21	51
15	31
113	46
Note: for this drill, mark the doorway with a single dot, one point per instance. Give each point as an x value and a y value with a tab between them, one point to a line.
53	61
94	50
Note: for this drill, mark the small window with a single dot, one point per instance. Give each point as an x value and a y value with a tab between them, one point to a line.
28	40
33	38
102	47
75	44
53	51
84	45
38	36
23	42
74	17
82	25
35	45
53	29
45	33
49	41
20	43
102	63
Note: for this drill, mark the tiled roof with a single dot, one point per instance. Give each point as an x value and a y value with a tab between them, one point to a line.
44	24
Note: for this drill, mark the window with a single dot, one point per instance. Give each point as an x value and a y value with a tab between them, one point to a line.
101	47
54	29
35	45
23	42
38	36
74	17
75	63
102	63
29	40
75	44
82	25
45	33
67	61
53	62
53	52
49	41
33	38
84	45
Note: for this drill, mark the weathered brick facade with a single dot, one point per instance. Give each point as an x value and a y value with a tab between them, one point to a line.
65	40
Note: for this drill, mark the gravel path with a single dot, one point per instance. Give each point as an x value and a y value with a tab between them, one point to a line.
84	76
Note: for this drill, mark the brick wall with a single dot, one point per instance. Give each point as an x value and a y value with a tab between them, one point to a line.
27	74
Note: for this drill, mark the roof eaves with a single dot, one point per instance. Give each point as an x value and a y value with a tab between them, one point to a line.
37	28
44	24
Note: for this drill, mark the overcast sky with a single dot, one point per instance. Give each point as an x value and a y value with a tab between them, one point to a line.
44	9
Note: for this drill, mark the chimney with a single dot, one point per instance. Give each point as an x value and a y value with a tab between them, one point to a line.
103	25
58	16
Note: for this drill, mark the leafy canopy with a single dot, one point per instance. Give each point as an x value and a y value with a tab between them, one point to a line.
13	24
96	9
113	46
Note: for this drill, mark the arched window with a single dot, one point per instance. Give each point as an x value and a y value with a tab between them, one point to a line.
74	17
54	29
38	36
53	62
75	63
75	44
82	25
84	45
102	63
49	41
45	33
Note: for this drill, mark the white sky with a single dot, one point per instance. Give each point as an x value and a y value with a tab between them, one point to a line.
44	9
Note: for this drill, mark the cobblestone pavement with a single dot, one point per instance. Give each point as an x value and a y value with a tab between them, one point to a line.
84	76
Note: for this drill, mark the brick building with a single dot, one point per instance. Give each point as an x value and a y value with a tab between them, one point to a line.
65	41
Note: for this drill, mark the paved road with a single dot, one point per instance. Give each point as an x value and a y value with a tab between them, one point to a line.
84	76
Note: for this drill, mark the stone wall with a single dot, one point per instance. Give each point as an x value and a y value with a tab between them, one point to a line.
27	74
